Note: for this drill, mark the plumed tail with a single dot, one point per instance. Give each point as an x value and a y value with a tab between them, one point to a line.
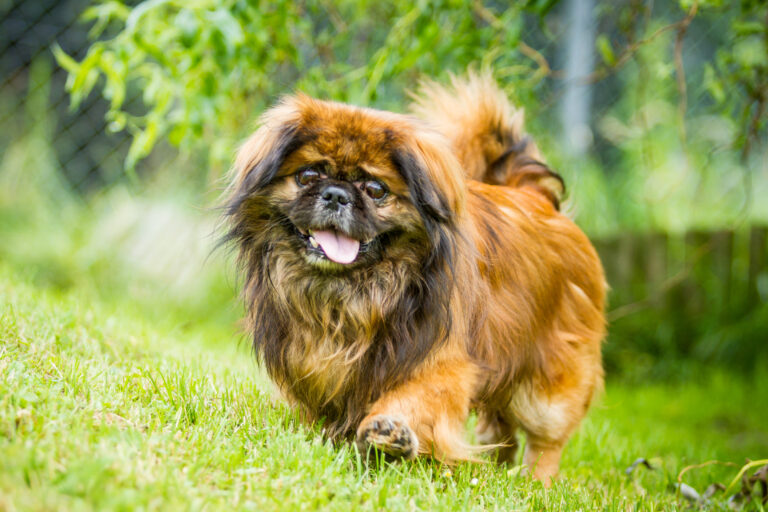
486	131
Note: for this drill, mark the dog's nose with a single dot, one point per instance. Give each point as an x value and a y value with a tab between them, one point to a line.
335	195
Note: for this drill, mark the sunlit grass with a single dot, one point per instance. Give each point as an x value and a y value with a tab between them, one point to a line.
100	410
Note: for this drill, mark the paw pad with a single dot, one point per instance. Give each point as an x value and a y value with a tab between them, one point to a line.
388	434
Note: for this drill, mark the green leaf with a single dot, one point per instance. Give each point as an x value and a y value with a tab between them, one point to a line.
750	52
85	78
132	22
713	85
746	28
114	70
606	50
142	143
228	26
189	26
69	64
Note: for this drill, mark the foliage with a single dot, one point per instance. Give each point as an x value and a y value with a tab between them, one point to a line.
676	150
736	82
205	69
739	79
669	131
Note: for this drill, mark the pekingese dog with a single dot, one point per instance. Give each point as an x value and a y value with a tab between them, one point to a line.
402	270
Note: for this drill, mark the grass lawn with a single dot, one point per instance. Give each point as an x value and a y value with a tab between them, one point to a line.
102	409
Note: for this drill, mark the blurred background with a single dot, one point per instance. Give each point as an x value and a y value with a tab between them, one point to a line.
120	119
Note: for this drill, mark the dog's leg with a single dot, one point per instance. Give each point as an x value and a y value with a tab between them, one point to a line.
542	457
548	422
424	415
492	429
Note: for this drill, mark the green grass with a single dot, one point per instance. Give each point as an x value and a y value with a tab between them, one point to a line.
101	409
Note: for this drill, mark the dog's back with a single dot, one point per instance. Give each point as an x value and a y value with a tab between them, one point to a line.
487	133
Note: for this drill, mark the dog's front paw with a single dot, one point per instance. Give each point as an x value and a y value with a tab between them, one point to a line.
389	434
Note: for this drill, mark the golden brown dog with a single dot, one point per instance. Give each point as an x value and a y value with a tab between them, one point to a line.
400	271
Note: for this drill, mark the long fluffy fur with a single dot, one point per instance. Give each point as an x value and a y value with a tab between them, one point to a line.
487	133
479	293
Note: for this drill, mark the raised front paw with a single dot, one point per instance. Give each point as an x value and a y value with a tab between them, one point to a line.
389	434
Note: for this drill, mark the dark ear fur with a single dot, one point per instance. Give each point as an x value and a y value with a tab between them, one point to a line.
264	171
429	201
277	146
429	308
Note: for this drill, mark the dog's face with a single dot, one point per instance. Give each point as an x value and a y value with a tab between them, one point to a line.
328	189
347	204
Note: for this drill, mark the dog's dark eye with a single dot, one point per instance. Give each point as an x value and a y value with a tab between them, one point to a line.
307	176
375	189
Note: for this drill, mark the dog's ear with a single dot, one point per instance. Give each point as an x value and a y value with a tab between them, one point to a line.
260	157
433	175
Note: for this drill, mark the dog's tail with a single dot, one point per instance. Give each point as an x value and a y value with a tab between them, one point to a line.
486	131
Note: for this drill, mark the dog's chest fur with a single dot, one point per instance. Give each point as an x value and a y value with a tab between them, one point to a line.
324	362
326	351
336	343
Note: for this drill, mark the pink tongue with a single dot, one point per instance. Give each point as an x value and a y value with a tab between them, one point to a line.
337	247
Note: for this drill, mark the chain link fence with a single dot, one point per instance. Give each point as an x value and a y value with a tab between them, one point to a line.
91	157
33	96
32	87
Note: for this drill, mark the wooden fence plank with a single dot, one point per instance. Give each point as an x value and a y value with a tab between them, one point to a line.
721	258
656	247
757	261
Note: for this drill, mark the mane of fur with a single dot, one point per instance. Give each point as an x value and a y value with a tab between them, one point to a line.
335	344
